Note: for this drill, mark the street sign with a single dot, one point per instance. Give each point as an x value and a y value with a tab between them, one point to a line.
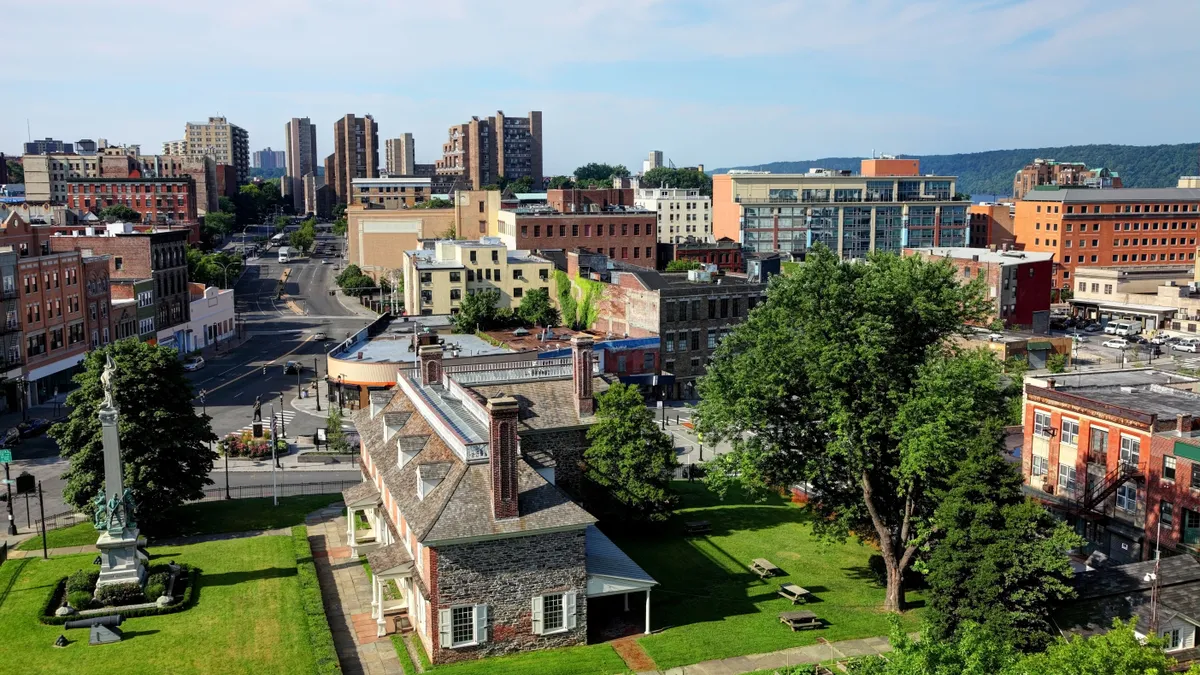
5	455
7	481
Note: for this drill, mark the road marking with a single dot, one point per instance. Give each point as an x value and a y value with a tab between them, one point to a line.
256	369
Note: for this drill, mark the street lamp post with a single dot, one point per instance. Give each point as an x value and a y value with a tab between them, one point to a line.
339	385
317	383
12	521
23	387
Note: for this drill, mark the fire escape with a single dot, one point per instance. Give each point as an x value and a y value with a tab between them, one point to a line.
1090	503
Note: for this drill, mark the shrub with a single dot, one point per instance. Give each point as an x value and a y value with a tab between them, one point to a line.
121	594
319	634
186	583
80	599
82	581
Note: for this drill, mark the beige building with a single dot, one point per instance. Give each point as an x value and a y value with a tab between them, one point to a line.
225	142
378	238
682	213
401	156
436	280
1189	182
393	192
175	147
301	160
1163	297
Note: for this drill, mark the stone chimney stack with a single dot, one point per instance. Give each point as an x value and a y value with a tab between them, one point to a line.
1183	424
429	358
502	436
581	373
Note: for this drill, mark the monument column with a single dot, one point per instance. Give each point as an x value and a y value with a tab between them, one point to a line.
120	560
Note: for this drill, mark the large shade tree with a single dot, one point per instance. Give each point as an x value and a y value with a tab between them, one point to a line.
630	457
847	379
164	439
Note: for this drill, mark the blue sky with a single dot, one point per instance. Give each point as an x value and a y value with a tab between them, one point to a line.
713	82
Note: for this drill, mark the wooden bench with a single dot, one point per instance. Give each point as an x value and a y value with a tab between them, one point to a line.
764	568
799	620
697	527
794	593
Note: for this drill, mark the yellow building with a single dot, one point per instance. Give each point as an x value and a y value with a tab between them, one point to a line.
436	280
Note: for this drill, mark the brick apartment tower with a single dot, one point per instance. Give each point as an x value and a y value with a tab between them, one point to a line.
301	150
355	153
581	364
502	434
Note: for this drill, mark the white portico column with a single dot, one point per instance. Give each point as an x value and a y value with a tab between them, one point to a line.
376	609
380	622
647	611
350	540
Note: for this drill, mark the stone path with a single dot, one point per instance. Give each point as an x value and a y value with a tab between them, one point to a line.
634	656
783	658
347	596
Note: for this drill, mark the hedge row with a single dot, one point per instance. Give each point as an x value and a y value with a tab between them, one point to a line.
319	633
54	601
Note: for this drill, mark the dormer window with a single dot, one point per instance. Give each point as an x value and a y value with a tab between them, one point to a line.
407	448
429	476
393	422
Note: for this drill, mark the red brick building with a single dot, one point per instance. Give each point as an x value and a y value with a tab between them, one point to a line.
160	201
1018	282
725	253
601	221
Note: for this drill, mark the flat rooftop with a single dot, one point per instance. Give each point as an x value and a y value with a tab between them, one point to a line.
1152	399
985	255
1118	195
1116	378
397	348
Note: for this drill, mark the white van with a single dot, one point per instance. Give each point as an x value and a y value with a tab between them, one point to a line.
1127	328
1190	345
285	254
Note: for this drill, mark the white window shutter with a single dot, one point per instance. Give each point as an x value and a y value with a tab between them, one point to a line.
481	623
444	628
569	608
537	615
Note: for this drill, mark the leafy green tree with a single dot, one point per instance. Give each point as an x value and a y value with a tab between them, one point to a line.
119	213
16	172
1056	363
349	272
304	237
213	269
629	456
219	222
594	171
996	558
1116	652
335	436
821	384
164	439
477	311
974	652
358	285
226	205
281	222
535	308
523	184
338	211
339	226
683	265
561	183
664	176
434	203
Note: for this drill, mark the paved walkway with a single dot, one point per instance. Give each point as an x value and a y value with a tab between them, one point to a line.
781	659
347	596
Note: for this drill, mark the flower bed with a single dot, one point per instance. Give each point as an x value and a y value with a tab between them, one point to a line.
82	584
246	445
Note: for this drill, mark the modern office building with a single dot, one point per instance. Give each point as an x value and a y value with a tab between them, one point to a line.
888	206
47	146
1062	174
437	279
1127	227
401	156
1018	282
269	160
600	221
355	154
654	161
225	142
682	213
392	192
484	150
301	160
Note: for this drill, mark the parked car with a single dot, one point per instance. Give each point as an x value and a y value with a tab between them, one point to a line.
1082	339
194	363
1138	339
1160	339
292	367
34	426
320	337
1092	328
12	436
1186	346
1117	343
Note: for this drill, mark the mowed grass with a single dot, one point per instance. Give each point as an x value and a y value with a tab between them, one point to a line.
81	534
708	603
598	659
247	617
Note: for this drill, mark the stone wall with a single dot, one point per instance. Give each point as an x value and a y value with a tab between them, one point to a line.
505	574
566	447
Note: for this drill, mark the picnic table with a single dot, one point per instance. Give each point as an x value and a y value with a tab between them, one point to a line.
798	620
697	527
764	568
793	592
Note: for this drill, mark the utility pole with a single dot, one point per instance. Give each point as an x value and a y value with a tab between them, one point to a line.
274	484
12	523
317	383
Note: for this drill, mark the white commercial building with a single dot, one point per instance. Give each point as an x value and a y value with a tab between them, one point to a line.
682	213
212	320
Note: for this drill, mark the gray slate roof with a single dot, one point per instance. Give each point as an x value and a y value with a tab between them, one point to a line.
605	558
1122	592
363	493
546	404
388	557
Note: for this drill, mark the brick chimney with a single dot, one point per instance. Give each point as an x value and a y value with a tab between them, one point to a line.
1183	424
581	373
429	358
502	436
1050	382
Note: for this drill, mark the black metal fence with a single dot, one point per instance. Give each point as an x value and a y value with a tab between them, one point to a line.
3	552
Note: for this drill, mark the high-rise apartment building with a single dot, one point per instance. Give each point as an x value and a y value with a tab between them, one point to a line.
225	142
1063	174
301	159
355	154
268	159
886	207
654	161
178	147
401	157
483	151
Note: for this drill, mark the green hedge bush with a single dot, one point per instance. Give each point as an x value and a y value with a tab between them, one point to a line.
189	578
80	599
121	594
82	580
319	634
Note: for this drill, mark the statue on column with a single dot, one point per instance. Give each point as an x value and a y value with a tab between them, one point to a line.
258	408
99	512
106	381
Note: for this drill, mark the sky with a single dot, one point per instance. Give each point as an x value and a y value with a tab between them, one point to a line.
718	82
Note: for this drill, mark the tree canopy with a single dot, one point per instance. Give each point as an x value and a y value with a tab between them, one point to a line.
536	309
477	311
304	237
219	222
846	378
119	213
213	269
164	439
353	282
629	457
683	265
687	179
434	203
256	202
561	183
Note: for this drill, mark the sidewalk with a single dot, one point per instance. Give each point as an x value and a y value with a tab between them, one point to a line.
308	406
352	304
781	659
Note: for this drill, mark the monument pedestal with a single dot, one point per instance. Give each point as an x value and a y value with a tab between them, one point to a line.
120	561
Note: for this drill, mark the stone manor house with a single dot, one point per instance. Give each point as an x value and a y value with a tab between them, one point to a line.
464	475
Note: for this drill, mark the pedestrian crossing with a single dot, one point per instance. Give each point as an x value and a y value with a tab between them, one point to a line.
285	417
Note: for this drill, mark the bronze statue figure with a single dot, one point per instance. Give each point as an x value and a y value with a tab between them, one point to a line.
258	408
99	512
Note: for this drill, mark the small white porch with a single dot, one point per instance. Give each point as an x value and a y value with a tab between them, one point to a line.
362	498
391	586
611	572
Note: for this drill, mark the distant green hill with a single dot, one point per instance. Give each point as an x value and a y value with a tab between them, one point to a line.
992	172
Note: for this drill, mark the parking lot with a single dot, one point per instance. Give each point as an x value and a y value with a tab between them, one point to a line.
1102	346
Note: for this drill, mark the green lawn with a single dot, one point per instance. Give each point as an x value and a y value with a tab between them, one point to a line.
247	618
81	534
590	660
711	606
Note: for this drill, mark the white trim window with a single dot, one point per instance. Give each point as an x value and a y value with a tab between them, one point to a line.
1041	423
1171	639
1040	466
553	613
1131	449
1127	498
462	626
1070	431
